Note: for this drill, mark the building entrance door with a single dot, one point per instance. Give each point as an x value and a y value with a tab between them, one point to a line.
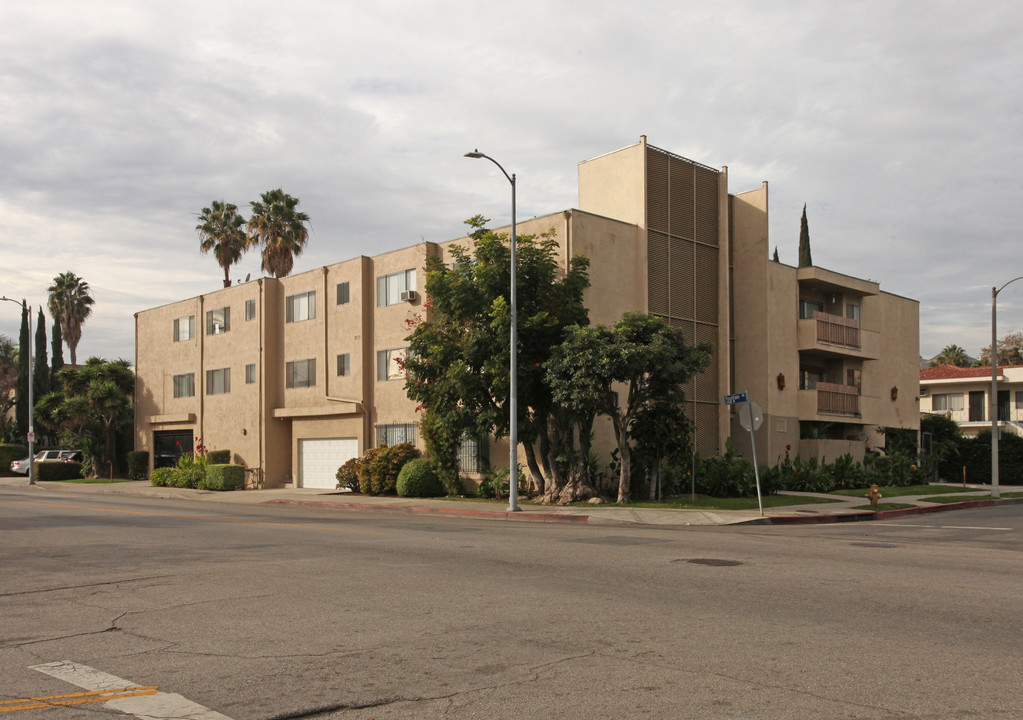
977	403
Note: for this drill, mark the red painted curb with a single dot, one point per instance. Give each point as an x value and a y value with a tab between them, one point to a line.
492	514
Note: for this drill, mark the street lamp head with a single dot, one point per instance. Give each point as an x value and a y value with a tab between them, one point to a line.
475	154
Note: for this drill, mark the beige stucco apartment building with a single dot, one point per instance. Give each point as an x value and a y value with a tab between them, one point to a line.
964	395
296	375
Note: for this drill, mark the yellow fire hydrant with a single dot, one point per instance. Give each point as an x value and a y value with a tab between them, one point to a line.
874	495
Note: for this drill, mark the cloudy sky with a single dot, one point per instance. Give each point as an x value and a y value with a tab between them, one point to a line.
899	124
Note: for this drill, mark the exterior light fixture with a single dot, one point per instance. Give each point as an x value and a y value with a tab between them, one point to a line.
781	381
895	393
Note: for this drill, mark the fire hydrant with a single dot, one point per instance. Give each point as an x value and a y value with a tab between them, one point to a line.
874	495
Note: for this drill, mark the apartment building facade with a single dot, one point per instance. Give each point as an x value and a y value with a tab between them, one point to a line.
296	375
964	395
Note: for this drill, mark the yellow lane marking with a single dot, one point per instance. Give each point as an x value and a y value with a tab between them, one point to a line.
75	698
197	517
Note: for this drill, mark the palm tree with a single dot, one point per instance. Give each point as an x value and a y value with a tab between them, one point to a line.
952	355
70	304
279	229
220	230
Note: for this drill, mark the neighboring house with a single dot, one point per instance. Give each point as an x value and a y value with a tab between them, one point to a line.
296	375
964	394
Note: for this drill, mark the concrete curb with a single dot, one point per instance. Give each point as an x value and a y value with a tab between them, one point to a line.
866	515
489	514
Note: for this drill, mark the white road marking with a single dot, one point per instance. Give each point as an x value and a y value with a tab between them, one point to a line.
160	706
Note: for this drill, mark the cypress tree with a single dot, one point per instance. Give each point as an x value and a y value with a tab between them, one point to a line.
804	242
57	349
41	371
775	258
24	360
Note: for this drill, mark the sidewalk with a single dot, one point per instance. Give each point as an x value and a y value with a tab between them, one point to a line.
605	514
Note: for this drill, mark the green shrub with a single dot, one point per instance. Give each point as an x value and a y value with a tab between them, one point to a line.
494	486
138	464
58	470
191	469
10	453
163	477
348	475
218	457
383	467
223	476
420	478
730	475
365	483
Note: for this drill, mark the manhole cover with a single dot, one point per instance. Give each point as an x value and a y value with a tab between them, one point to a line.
716	562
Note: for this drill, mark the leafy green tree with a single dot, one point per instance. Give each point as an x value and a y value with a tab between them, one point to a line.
41	368
70	304
92	408
804	242
24	368
222	231
650	360
57	349
8	385
952	355
279	228
457	366
1010	350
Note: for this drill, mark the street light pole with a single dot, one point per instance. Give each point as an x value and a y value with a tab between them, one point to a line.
513	394
993	404
31	428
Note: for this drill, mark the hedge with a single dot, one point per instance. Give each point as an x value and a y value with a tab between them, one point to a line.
10	453
223	476
138	464
218	457
419	478
52	471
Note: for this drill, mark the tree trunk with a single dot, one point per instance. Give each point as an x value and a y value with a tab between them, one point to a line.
536	477
625	473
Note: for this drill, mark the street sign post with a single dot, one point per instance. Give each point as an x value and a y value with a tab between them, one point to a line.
751	421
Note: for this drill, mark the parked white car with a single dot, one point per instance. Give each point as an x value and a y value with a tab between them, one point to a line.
21	466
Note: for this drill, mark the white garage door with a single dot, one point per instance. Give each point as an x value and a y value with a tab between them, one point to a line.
319	459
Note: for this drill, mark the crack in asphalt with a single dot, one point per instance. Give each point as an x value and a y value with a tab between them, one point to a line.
79	587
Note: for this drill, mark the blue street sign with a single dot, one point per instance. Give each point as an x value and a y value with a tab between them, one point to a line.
736	398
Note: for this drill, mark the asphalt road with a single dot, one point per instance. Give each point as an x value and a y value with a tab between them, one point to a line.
288	612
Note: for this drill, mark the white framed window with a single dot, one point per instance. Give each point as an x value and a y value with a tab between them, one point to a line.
250	310
218	321
300	307
344	365
250	373
943	402
396	434
344	293
300	373
184	328
853	313
390	287
390	364
218	382
184	385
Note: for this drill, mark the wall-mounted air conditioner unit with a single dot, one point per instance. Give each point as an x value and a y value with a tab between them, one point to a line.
409	296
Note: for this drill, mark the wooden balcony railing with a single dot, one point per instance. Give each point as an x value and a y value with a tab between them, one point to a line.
837	330
833	399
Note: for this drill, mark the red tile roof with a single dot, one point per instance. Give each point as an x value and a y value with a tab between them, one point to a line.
951	372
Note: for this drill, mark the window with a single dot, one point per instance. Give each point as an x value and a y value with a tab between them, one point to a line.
808	308
300	373
808	378
853	377
390	287
1019	399
473	454
184	385
343	294
218	321
250	309
943	402
390	364
300	307
396	434
218	382
250	373
184	328
344	365
853	313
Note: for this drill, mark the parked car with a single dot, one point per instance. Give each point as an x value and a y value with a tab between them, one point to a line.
21	466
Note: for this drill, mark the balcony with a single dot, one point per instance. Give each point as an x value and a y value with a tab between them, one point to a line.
837	336
829	400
